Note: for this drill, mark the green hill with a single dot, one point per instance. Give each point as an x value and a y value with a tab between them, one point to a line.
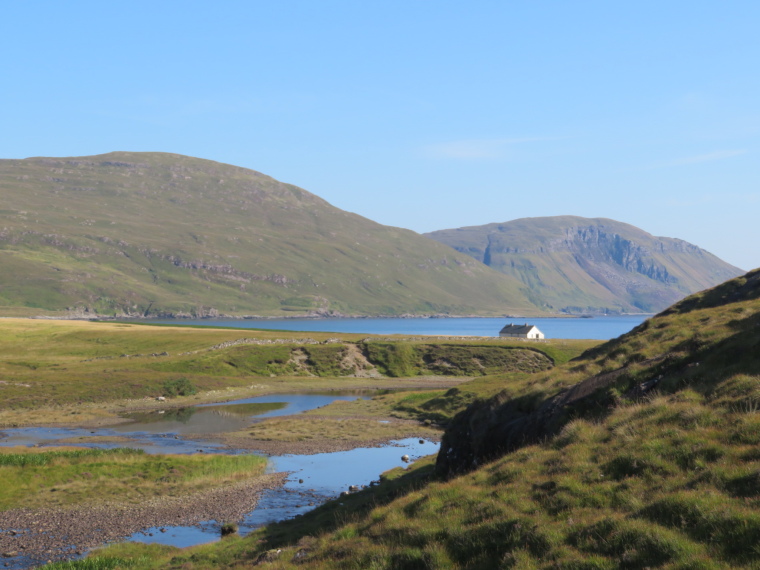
590	265
151	234
647	457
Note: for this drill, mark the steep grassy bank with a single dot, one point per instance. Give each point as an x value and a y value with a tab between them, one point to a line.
649	459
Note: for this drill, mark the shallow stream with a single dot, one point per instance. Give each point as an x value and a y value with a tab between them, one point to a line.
323	475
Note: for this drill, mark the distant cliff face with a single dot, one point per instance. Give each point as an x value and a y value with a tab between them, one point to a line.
580	265
148	234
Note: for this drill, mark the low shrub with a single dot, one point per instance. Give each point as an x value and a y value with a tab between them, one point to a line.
179	387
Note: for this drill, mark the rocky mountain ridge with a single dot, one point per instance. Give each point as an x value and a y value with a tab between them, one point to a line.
591	265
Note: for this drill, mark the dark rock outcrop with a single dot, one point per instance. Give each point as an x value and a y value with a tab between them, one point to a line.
491	428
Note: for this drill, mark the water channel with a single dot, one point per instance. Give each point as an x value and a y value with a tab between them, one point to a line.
312	479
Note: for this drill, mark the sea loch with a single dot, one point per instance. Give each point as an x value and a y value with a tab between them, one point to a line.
598	328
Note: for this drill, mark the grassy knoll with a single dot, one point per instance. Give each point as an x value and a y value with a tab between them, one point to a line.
652	464
67	476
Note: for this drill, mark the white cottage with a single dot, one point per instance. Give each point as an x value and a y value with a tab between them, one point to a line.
521	331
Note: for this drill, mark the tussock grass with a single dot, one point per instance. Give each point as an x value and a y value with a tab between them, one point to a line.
25	457
100	563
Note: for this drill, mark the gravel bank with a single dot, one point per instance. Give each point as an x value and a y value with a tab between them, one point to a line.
29	537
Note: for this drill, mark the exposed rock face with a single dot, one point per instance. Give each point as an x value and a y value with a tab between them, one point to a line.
491	428
582	265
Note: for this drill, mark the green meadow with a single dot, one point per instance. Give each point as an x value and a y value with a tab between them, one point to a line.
60	477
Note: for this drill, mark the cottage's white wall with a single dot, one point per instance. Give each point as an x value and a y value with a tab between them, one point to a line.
533	333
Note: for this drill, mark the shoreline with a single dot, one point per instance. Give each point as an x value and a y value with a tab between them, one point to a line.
311	317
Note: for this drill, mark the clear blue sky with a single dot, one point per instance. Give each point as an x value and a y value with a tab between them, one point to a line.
420	114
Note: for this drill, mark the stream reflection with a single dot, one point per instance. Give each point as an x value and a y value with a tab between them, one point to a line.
324	476
159	431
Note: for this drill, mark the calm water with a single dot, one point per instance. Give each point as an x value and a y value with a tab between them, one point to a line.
324	476
599	328
172	430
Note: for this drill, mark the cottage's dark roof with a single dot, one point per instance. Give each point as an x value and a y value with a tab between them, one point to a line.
517	329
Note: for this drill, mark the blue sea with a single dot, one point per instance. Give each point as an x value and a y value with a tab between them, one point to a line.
599	328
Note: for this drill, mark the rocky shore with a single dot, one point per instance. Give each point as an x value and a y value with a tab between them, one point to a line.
30	537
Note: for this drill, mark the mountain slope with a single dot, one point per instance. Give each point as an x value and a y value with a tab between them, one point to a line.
155	233
576	265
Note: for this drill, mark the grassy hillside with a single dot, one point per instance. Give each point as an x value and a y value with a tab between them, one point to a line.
649	460
147	234
573	264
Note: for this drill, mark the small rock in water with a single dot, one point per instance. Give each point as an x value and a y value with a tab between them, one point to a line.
300	480
228	529
422	441
405	458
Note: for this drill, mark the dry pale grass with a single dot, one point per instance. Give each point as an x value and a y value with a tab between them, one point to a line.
354	430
